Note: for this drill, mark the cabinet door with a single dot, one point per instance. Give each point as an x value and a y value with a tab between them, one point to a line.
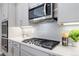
12	15
16	49
68	12
22	14
5	11
25	53
34	52
10	48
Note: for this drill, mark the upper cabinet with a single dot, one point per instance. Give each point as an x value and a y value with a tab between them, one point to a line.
68	12
12	15
18	14
22	14
5	11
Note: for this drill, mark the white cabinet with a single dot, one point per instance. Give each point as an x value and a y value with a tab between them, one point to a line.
68	12
18	14
10	52
12	15
13	48
5	11
16	48
22	14
29	51
24	52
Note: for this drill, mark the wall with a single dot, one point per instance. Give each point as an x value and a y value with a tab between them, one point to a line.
48	30
69	27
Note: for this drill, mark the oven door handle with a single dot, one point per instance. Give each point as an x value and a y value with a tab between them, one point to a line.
45	9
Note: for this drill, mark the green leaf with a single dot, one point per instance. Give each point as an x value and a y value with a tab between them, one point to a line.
74	34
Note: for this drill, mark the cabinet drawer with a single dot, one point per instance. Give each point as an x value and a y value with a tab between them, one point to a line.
15	44
25	53
33	51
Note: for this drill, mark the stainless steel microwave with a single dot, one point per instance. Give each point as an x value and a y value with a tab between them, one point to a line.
41	12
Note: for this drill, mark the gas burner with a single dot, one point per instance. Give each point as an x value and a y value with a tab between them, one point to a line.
49	44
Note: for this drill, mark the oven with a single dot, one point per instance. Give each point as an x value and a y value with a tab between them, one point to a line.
5	29
4	38
4	44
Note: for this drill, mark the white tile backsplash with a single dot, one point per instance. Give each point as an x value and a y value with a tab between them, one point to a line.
15	32
48	30
27	31
21	32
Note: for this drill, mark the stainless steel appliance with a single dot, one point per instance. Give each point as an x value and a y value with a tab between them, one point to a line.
4	44
4	39
41	12
5	29
48	44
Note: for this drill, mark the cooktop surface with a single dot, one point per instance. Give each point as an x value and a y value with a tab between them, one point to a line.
49	44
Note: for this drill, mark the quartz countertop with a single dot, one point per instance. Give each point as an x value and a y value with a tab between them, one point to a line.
58	50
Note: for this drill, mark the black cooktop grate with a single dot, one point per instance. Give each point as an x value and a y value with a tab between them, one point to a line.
49	44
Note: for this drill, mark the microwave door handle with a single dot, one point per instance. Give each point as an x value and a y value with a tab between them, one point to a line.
45	9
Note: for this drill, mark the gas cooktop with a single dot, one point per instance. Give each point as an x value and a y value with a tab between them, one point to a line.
49	44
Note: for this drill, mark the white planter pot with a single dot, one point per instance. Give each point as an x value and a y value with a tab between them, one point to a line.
75	44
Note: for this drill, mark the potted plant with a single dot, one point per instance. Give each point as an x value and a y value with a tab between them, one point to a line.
74	35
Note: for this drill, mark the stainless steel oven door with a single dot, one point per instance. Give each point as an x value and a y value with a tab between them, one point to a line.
4	44
5	29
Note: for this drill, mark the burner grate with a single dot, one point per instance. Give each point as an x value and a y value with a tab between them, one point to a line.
49	44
